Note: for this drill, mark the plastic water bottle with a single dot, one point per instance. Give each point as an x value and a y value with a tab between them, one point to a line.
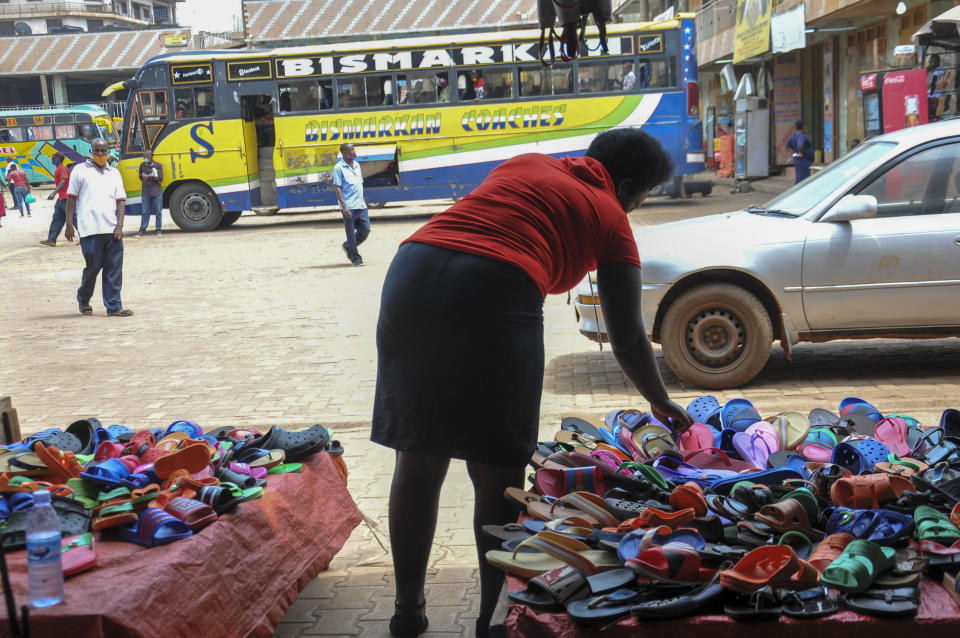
43	552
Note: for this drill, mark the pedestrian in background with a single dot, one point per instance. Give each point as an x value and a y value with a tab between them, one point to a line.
460	351
61	177
96	196
151	192
348	184
18	179
802	149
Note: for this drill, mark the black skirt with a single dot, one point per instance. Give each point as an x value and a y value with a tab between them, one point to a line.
459	357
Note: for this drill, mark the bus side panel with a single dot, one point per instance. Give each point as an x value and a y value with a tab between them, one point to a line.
206	151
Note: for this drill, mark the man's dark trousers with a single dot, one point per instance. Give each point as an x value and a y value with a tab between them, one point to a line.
102	252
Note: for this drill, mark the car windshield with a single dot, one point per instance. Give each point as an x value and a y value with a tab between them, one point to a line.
810	192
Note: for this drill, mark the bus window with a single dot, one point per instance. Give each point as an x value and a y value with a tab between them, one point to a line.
185	104
66	131
418	87
657	74
134	137
204	101
88	131
538	80
299	96
39	133
497	84
379	90
326	94
153	103
194	102
14	134
351	93
601	75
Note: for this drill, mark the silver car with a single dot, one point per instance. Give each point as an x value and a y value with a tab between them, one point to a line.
869	247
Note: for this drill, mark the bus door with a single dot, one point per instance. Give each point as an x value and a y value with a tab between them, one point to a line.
258	141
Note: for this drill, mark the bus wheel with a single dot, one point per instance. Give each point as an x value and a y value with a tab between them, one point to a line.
195	208
229	218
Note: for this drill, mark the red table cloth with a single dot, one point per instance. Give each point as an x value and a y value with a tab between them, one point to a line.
236	577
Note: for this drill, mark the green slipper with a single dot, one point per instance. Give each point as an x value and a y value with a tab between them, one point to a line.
856	568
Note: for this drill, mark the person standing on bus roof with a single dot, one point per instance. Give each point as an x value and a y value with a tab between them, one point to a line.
96	196
802	149
18	181
151	192
61	176
460	337
348	184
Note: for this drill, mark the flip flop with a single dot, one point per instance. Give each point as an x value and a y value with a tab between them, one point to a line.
697	437
756	444
738	415
763	604
581	427
809	603
892	432
901	602
196	514
155	528
790	428
78	553
821	417
861	416
552	550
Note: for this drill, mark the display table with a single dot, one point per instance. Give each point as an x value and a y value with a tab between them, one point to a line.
938	613
236	577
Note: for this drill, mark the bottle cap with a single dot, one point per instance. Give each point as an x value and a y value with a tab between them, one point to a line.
41	497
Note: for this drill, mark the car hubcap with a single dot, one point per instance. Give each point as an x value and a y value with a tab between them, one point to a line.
195	207
715	338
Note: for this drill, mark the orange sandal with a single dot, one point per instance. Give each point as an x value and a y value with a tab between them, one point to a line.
773	566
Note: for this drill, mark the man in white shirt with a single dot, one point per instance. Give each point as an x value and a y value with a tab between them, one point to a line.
96	196
629	78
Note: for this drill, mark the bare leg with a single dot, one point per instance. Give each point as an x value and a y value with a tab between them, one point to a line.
490	508
414	499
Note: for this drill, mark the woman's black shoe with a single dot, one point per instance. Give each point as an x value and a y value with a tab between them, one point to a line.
408	622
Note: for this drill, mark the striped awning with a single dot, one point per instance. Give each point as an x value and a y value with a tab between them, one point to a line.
272	20
69	52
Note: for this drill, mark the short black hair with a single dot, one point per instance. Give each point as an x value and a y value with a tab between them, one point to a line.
630	153
798	124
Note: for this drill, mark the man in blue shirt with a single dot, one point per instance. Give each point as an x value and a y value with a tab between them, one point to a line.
348	183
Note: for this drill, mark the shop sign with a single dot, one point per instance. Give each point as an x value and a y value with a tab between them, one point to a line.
191	74
178	40
752	33
868	82
249	70
788	30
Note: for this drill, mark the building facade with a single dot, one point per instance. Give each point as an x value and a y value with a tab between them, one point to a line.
68	51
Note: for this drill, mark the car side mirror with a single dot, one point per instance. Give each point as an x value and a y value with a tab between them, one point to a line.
852	207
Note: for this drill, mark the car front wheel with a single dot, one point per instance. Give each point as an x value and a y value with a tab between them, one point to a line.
716	336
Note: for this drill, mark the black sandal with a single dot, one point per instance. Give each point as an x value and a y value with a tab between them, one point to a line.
408	622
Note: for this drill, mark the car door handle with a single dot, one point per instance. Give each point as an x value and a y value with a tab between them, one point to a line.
956	240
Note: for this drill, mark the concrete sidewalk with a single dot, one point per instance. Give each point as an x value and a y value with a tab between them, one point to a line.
266	323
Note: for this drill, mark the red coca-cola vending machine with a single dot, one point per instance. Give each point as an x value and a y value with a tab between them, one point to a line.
893	100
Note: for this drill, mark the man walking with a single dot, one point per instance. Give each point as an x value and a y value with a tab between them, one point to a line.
61	177
95	194
18	182
802	149
151	193
348	183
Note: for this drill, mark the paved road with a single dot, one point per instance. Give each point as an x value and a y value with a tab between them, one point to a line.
266	323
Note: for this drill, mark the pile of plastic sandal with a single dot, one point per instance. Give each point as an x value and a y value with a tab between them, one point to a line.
795	514
149	487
